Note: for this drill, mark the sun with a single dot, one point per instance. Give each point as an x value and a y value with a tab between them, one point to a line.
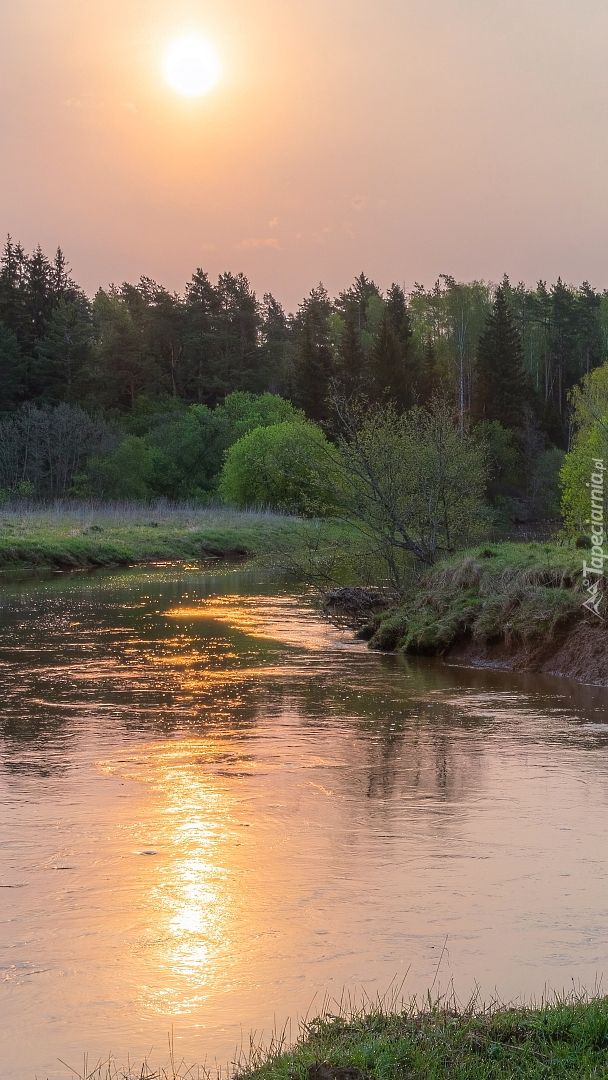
191	66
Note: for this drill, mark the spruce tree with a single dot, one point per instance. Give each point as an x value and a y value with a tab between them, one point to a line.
350	366
12	371
564	318
165	334
201	308
428	384
59	371
392	370
589	338
63	287
275	338
237	327
39	295
13	272
397	308
314	367
387	367
501	389
122	368
357	298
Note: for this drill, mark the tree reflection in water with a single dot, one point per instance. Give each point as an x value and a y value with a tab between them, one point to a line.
315	815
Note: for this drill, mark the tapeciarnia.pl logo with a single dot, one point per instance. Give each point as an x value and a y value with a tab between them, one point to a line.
594	572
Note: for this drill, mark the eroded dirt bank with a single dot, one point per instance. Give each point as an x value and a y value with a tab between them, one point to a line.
577	651
511	607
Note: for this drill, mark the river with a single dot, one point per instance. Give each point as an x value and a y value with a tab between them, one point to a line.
218	811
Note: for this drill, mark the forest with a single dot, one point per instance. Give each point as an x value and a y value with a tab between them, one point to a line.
140	392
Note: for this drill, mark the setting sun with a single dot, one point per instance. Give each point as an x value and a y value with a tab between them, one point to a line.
191	66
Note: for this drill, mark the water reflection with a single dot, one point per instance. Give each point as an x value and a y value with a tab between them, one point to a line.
191	903
217	807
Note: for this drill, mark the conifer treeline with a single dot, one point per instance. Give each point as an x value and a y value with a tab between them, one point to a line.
493	351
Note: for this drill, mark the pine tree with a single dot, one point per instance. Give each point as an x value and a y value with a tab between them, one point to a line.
12	371
350	361
64	352
314	361
429	380
501	385
392	370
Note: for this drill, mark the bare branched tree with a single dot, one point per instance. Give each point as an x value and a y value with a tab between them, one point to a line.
42	449
413	483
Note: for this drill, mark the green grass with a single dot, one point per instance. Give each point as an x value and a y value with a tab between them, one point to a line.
565	1039
89	534
510	591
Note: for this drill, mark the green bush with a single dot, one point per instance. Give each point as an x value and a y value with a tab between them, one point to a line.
242	412
284	467
129	472
590	407
575	476
173	450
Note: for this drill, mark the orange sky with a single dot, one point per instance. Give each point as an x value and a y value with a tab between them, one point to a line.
405	138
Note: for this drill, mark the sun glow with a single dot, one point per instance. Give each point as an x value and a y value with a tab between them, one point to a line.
191	66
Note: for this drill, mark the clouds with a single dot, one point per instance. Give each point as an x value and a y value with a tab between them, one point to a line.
257	242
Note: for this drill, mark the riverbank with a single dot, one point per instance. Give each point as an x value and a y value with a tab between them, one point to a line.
88	535
513	606
562	1040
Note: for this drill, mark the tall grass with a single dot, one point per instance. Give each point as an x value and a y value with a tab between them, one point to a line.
510	592
562	1038
60	512
80	534
559	1038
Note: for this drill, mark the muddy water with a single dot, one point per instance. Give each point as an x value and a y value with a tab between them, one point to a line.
216	810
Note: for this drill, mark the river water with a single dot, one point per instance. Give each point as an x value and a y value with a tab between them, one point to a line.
218	810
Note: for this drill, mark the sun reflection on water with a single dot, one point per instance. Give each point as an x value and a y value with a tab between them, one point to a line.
271	618
191	894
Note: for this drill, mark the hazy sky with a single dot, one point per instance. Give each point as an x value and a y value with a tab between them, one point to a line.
405	138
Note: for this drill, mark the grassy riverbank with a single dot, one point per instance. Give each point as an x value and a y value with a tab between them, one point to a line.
510	605
88	535
562	1040
507	591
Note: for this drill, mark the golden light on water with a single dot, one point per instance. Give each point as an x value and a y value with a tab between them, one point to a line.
191	893
191	66
274	618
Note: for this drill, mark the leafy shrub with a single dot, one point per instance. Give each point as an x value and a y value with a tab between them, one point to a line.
281	467
128	472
